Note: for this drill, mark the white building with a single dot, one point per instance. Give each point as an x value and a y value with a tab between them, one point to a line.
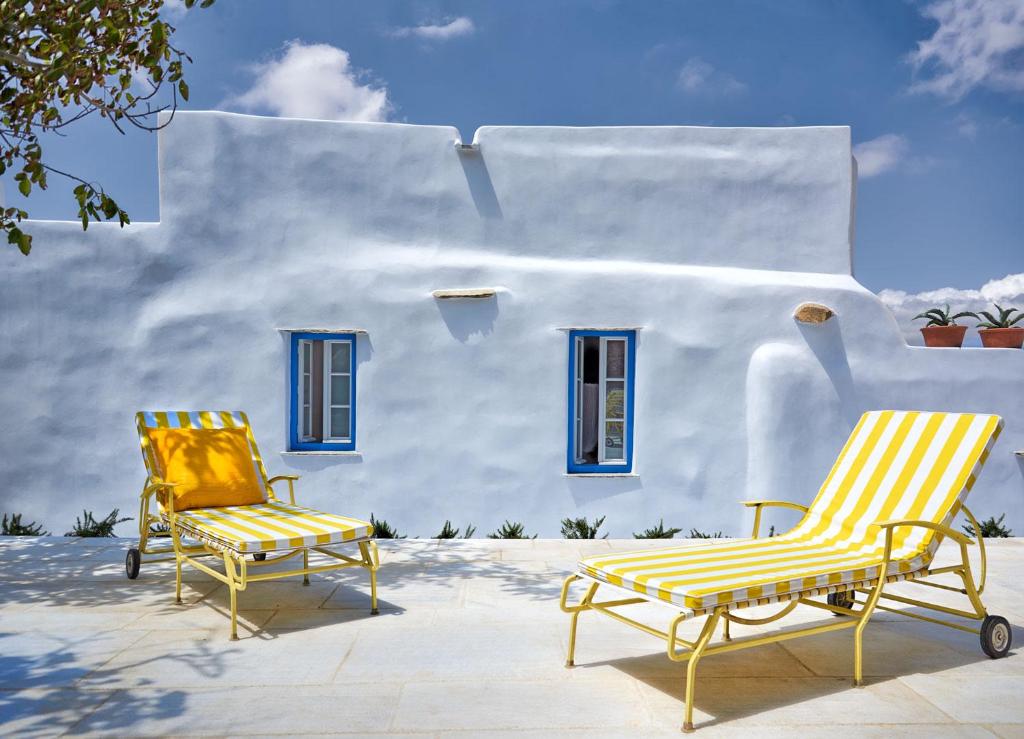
691	245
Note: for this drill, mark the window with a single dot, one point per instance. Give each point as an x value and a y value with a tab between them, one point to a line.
601	372
323	392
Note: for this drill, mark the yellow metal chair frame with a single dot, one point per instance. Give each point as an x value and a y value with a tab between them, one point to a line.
842	602
236	566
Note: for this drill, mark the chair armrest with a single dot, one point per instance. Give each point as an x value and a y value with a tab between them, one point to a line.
291	486
944	530
757	505
779	503
278	478
155	485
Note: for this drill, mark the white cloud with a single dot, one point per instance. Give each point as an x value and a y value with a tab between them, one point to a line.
698	76
979	43
880	155
1007	291
313	81
966	126
461	26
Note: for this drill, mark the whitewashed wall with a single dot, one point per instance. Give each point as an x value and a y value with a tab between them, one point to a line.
705	238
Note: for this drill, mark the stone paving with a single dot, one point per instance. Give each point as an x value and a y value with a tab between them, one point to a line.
469	641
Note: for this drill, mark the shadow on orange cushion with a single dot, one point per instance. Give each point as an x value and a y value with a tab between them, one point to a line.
212	467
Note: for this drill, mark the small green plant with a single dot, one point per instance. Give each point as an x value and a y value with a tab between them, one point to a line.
991	528
383	530
88	526
159	529
1003	318
14	527
698	534
450	532
510	530
657	532
580	528
941	317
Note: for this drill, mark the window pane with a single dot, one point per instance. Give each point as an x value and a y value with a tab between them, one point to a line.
339	389
613	402
306	348
613	440
305	389
340	356
616	362
307	426
339	423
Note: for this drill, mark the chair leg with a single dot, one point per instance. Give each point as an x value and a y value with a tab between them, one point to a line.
858	634
371	561
177	579
570	659
691	667
725	628
232	582
305	565
234	612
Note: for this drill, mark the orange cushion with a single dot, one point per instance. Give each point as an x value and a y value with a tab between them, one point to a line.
213	467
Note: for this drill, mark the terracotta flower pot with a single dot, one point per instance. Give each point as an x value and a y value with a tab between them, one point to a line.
944	335
1002	338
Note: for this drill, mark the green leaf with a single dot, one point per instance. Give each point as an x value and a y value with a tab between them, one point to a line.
20	239
108	206
25	186
183	90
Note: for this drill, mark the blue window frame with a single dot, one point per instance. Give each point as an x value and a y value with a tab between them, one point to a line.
323	392
602	372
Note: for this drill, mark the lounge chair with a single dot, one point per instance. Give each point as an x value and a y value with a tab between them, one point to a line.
213	499
879	517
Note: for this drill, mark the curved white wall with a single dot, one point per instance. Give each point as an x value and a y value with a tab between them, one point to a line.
705	238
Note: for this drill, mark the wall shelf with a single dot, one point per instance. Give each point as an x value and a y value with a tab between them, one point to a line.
472	293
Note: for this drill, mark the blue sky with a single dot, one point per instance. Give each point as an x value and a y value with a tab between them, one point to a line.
934	92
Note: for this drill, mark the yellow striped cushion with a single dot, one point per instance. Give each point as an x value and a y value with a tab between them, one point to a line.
896	464
269	526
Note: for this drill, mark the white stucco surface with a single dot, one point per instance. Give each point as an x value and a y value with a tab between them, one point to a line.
704	238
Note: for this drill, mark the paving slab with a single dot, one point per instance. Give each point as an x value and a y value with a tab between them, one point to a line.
281	709
470	641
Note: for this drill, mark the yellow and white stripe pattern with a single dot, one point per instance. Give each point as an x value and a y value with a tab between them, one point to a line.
268	527
895	465
251	528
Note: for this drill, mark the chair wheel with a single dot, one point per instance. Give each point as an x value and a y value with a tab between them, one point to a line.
842	600
996	636
132	563
259	556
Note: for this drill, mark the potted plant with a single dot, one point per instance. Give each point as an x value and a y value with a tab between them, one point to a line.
998	330
942	328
